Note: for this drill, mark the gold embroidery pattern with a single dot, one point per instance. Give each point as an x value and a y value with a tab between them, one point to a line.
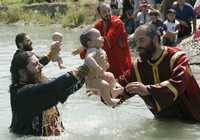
140	80
137	71
51	123
174	58
157	105
156	74
171	88
155	67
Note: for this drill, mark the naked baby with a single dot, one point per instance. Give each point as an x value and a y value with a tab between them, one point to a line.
58	37
98	80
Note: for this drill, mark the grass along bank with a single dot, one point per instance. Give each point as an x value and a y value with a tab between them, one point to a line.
77	13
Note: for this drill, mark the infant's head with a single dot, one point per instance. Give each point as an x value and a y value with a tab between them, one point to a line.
91	38
57	36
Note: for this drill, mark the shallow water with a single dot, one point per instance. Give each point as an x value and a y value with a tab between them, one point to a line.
85	118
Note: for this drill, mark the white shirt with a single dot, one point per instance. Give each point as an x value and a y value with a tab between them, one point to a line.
142	17
171	26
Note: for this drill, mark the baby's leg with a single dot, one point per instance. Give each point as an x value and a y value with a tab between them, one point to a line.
60	63
116	88
106	93
109	77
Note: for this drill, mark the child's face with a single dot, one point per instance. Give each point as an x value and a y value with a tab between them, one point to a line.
57	38
144	8
171	17
153	18
96	40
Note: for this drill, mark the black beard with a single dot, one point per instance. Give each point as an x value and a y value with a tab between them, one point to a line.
106	19
33	78
28	47
148	52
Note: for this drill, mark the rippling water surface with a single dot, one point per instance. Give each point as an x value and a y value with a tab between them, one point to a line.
85	118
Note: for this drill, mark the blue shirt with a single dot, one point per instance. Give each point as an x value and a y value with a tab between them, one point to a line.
186	14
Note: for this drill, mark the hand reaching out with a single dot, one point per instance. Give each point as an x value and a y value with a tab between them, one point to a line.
77	51
137	88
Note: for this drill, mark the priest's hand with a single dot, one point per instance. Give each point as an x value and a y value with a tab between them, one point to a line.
137	88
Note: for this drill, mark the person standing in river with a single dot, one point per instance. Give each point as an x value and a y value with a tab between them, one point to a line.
34	98
24	43
163	79
115	43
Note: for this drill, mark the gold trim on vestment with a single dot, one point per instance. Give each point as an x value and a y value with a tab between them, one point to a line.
140	80
171	88
155	74
157	105
155	67
135	63
174	58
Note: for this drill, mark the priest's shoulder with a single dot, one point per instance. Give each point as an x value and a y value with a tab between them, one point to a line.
172	50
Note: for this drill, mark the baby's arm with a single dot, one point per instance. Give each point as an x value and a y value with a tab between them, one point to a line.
60	62
116	88
78	51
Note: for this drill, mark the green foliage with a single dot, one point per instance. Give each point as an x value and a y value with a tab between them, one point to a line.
33	1
74	18
39	1
3	16
10	2
36	18
78	13
13	14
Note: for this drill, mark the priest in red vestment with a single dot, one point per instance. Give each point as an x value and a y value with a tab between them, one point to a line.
162	78
115	43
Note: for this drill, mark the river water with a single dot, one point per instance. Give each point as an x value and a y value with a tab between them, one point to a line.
85	118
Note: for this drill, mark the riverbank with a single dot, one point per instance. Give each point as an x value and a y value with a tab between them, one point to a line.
67	13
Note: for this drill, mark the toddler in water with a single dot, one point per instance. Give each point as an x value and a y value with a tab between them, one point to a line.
57	58
98	80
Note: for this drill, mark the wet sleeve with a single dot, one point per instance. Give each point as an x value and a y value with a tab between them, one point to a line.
129	77
44	60
166	92
36	98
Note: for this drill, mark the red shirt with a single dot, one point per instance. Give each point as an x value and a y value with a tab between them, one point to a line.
116	48
118	53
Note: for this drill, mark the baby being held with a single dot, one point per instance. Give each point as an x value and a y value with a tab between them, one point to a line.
58	37
98	79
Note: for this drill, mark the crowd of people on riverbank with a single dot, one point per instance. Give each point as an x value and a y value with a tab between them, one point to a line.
175	19
160	75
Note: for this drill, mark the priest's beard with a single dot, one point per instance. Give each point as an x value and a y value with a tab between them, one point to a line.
148	52
28	47
106	19
33	78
